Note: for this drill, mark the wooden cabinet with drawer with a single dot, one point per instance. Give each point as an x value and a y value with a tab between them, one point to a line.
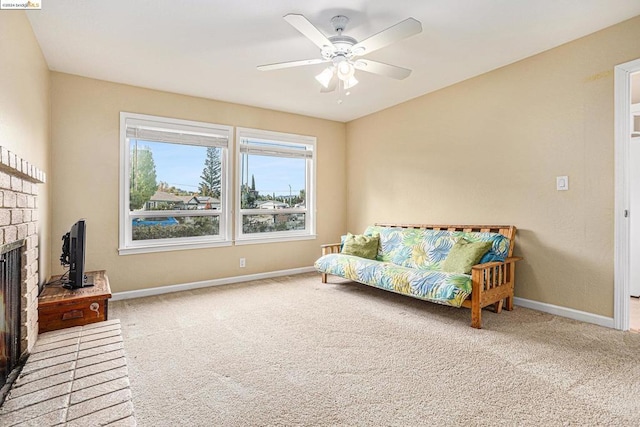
60	308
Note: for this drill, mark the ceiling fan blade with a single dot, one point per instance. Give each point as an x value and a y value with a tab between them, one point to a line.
333	85
308	30
381	68
401	30
290	64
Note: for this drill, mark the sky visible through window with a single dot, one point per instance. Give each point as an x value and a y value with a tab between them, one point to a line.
181	165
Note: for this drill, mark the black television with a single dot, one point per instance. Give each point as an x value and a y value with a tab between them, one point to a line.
73	253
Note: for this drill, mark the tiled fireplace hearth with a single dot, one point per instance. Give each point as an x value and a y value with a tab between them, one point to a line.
19	224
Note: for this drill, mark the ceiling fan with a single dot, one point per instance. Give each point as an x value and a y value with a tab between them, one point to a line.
344	53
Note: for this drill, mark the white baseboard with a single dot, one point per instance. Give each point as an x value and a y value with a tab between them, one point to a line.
582	316
207	283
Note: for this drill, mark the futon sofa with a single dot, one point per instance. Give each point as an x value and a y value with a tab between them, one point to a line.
410	260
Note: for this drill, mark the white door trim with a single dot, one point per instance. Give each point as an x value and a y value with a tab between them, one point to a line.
622	118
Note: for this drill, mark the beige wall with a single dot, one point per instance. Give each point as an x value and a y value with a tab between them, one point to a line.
488	150
24	110
485	150
85	159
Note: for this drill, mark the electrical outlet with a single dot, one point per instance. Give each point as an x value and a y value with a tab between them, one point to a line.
243	263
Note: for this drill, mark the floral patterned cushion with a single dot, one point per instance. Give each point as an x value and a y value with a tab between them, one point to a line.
435	286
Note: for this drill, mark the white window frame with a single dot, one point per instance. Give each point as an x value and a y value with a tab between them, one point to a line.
309	210
191	130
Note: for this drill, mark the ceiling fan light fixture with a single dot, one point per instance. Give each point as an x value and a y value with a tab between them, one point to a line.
324	78
345	70
348	84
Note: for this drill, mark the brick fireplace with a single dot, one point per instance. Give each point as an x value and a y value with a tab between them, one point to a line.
19	224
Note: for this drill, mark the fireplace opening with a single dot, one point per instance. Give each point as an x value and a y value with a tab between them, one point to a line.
10	308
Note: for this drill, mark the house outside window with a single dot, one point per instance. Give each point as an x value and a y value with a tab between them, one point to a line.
275	198
174	185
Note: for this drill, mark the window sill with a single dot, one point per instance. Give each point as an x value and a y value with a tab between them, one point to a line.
166	248
275	239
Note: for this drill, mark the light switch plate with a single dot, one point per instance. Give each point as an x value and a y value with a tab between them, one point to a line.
562	183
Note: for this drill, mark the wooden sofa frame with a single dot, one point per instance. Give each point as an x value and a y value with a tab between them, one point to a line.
492	283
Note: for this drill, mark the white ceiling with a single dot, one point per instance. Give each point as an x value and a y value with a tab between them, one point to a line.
211	48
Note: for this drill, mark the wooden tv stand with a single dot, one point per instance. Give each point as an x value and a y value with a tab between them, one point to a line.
60	308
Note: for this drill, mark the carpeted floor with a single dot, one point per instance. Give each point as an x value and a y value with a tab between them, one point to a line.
292	351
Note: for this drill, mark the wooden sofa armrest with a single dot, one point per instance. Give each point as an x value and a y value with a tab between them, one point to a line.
330	248
487	265
491	283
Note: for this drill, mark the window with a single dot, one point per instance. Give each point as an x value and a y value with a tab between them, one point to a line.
275	199
174	184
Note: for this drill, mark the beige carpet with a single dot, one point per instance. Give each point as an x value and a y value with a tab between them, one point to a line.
293	351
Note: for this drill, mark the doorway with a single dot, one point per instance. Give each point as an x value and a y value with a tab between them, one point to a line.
634	203
624	185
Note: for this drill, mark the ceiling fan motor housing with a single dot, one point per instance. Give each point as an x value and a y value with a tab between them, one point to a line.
341	44
341	47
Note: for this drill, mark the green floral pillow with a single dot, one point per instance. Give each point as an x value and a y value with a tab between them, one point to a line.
464	255
361	246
